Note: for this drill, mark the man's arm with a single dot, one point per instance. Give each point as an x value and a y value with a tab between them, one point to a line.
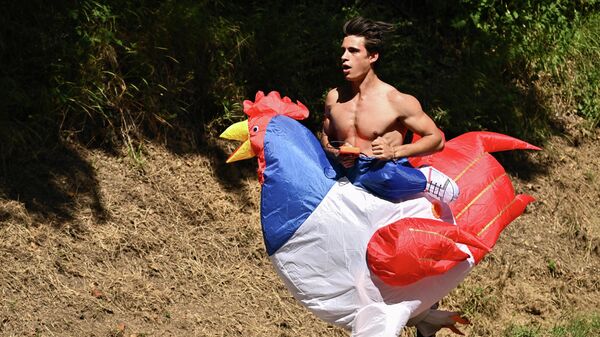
384	146
412	116
347	160
327	129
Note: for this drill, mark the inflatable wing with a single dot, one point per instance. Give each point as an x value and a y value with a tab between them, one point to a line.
487	203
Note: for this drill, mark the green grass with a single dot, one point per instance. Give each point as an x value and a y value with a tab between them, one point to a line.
521	331
581	326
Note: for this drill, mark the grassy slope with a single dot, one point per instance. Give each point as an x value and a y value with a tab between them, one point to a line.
176	250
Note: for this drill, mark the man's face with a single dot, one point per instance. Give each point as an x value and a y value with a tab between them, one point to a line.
356	61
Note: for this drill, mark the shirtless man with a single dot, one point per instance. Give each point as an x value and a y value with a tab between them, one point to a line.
373	116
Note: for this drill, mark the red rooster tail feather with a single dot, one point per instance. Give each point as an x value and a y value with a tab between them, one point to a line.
494	142
491	231
487	201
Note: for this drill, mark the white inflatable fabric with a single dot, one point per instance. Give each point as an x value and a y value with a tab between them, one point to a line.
324	264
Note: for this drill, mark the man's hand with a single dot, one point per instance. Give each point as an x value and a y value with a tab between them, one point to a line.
346	159
382	149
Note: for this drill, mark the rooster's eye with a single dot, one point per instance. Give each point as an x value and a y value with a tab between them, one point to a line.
255	128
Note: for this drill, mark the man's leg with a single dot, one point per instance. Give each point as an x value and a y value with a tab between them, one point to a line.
396	181
419	334
439	185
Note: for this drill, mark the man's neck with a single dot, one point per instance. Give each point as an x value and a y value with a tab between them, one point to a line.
363	86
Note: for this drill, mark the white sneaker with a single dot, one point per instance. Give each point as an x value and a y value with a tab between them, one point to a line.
439	185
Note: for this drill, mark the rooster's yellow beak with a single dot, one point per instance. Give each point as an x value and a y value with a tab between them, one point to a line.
239	131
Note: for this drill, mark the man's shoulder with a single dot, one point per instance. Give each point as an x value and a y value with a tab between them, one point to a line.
333	93
396	96
332	96
402	101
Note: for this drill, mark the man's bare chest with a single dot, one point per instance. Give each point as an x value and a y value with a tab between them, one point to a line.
368	120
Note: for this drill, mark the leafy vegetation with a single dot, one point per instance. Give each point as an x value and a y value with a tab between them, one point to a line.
107	73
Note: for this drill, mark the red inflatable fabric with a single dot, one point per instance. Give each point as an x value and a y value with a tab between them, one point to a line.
411	248
486	205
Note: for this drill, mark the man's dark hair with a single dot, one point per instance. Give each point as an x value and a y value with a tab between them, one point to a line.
372	31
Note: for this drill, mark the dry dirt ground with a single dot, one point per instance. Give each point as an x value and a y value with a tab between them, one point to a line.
171	246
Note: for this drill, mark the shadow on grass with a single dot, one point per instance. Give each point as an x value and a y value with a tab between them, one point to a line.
53	184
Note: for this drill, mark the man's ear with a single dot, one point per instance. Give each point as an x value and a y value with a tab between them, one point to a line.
373	57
